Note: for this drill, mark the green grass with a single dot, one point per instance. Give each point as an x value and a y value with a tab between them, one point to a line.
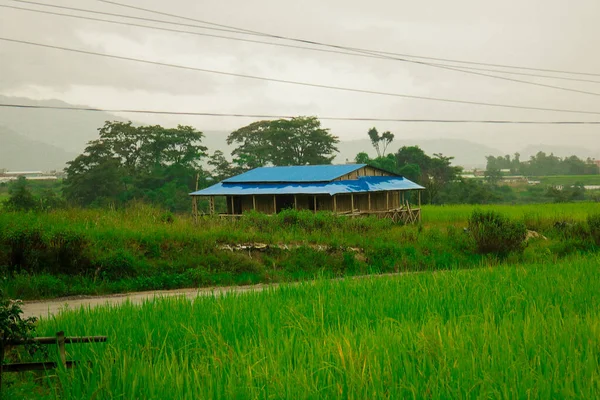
78	252
569	179
529	331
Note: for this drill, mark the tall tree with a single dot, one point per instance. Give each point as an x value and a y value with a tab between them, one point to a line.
128	162
380	142
298	141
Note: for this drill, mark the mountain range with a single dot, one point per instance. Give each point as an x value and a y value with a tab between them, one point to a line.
46	139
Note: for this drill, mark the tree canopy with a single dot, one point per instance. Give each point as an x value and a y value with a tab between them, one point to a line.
297	141
126	162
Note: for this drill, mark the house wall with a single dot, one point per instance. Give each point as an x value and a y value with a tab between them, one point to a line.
380	201
364	171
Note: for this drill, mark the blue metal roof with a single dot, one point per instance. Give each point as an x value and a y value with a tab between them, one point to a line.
360	185
302	173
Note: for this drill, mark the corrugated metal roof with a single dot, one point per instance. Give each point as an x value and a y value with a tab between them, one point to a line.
360	185
302	173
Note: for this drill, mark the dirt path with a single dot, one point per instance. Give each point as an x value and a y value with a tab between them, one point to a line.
47	308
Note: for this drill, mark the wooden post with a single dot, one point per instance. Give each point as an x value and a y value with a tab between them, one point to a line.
419	206
60	341
195	201
211	205
274	204
352	203
334	204
315	203
295	202
232	206
369	196
387	201
254	202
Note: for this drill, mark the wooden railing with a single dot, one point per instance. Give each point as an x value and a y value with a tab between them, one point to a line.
60	340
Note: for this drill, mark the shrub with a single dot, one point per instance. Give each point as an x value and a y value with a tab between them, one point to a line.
594	225
494	233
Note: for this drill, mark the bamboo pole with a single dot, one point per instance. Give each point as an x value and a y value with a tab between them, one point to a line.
211	205
315	203
387	200
274	204
334	204
232	207
352	203
254	202
369	196
295	202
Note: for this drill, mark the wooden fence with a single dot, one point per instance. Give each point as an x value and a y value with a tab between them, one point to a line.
60	340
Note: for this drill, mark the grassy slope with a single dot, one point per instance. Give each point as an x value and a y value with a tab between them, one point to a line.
140	249
531	331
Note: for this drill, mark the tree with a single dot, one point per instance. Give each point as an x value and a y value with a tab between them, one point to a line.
380	142
221	168
128	162
20	197
298	141
433	172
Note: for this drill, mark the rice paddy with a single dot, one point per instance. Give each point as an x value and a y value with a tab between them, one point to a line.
528	331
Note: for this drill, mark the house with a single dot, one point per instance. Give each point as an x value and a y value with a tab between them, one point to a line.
349	189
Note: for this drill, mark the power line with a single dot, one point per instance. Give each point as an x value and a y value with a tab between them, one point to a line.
299	83
268	116
247	31
231	29
467	70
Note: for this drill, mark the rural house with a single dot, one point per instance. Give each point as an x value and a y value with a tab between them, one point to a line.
349	189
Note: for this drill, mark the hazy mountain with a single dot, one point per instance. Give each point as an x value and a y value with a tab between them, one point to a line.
68	130
467	154
47	139
20	153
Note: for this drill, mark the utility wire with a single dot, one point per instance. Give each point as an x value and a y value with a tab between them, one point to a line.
220	27
267	116
299	83
467	70
247	31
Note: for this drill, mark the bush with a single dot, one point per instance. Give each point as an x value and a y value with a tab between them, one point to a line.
494	233
594	225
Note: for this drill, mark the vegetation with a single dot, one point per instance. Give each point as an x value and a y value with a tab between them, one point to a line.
542	164
297	141
494	233
528	331
149	163
73	252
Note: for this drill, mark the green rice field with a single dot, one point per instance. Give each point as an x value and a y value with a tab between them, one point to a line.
530	331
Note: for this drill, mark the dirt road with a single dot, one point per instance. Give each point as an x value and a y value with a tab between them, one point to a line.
46	308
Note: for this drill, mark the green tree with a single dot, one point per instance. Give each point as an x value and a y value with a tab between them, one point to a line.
380	142
221	167
20	197
128	163
298	141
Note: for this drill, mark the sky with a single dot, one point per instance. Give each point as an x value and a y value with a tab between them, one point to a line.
549	34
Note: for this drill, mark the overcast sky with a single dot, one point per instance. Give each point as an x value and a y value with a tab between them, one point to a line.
553	34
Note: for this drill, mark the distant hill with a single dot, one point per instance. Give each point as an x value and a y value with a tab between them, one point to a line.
47	139
67	130
20	153
467	154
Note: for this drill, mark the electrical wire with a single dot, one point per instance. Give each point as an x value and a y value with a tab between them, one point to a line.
299	83
247	31
268	116
467	70
231	29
